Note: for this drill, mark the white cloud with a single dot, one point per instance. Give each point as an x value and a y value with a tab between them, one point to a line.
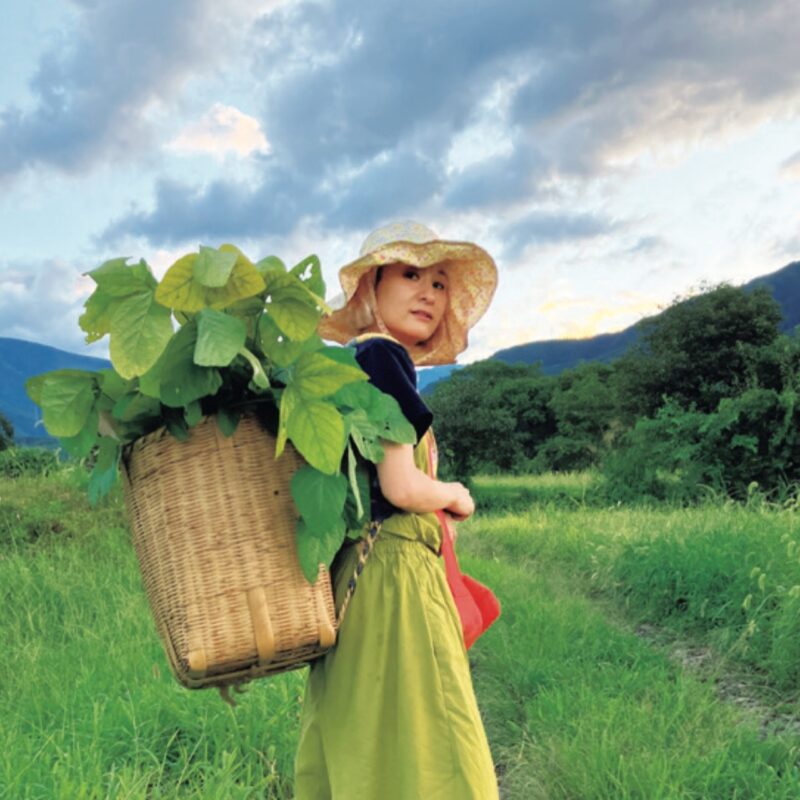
791	168
43	301
220	131
11	289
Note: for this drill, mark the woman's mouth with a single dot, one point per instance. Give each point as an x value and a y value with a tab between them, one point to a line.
423	315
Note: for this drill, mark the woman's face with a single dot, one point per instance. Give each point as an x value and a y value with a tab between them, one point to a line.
412	301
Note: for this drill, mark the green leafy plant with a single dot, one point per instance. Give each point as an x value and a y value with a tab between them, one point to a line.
221	335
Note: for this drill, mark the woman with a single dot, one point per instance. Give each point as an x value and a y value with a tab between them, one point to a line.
390	712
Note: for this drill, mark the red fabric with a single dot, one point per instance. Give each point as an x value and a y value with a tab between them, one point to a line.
477	605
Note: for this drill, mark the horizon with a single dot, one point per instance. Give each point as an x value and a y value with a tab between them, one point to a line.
656	312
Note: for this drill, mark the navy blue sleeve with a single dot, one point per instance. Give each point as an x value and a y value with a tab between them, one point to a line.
391	370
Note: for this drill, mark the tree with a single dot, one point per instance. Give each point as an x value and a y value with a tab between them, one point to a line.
698	351
491	415
6	432
584	409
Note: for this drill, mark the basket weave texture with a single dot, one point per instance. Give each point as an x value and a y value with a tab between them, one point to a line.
213	525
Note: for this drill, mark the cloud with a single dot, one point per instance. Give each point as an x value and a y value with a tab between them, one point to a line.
42	302
222	130
366	104
552	227
788	246
498	181
95	86
395	182
647	244
791	168
649	76
222	210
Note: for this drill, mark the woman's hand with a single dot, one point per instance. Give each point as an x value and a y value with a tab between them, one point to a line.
462	506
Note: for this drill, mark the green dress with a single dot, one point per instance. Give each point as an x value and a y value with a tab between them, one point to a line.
390	712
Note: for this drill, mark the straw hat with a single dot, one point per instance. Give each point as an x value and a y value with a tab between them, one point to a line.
472	279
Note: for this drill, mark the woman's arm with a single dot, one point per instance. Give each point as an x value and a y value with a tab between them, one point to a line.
410	489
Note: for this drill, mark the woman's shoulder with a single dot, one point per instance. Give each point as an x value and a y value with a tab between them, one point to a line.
390	369
383	352
380	342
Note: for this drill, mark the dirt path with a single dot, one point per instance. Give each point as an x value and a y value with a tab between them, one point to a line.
776	713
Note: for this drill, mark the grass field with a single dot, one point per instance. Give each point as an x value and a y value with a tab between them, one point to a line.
575	704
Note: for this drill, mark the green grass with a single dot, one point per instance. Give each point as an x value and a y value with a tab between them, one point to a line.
726	572
89	707
509	493
574	706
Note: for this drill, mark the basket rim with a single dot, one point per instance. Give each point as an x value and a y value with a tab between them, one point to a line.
163	431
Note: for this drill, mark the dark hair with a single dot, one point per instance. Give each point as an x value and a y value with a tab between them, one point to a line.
378	275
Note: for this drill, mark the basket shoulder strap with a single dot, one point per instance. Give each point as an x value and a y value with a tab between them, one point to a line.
363	554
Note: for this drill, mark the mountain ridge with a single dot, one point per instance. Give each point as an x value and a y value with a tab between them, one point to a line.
556	355
21	359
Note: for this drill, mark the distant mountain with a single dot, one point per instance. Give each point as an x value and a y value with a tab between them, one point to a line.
20	359
557	355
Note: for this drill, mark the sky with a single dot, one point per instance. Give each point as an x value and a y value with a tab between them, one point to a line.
612	155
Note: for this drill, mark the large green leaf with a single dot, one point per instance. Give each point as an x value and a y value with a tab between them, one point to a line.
140	330
96	319
135	406
213	267
113	385
271	265
33	387
219	338
319	498
176	424
342	355
228	421
381	409
67	397
281	350
294	308
81	445
309	272
317	430
104	473
193	413
183	381
178	288
244	281
314	549
365	435
249	310
315	375
150	381
116	279
115	282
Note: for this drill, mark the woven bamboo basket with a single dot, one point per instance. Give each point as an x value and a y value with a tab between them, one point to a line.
213	525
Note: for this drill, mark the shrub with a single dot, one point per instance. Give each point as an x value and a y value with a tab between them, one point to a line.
36	461
658	459
677	455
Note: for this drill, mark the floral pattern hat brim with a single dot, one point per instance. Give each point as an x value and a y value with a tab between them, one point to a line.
472	277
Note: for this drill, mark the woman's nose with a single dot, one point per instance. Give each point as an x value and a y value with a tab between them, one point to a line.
426	293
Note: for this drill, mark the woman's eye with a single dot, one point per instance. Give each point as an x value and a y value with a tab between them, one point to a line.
411	274
439	285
